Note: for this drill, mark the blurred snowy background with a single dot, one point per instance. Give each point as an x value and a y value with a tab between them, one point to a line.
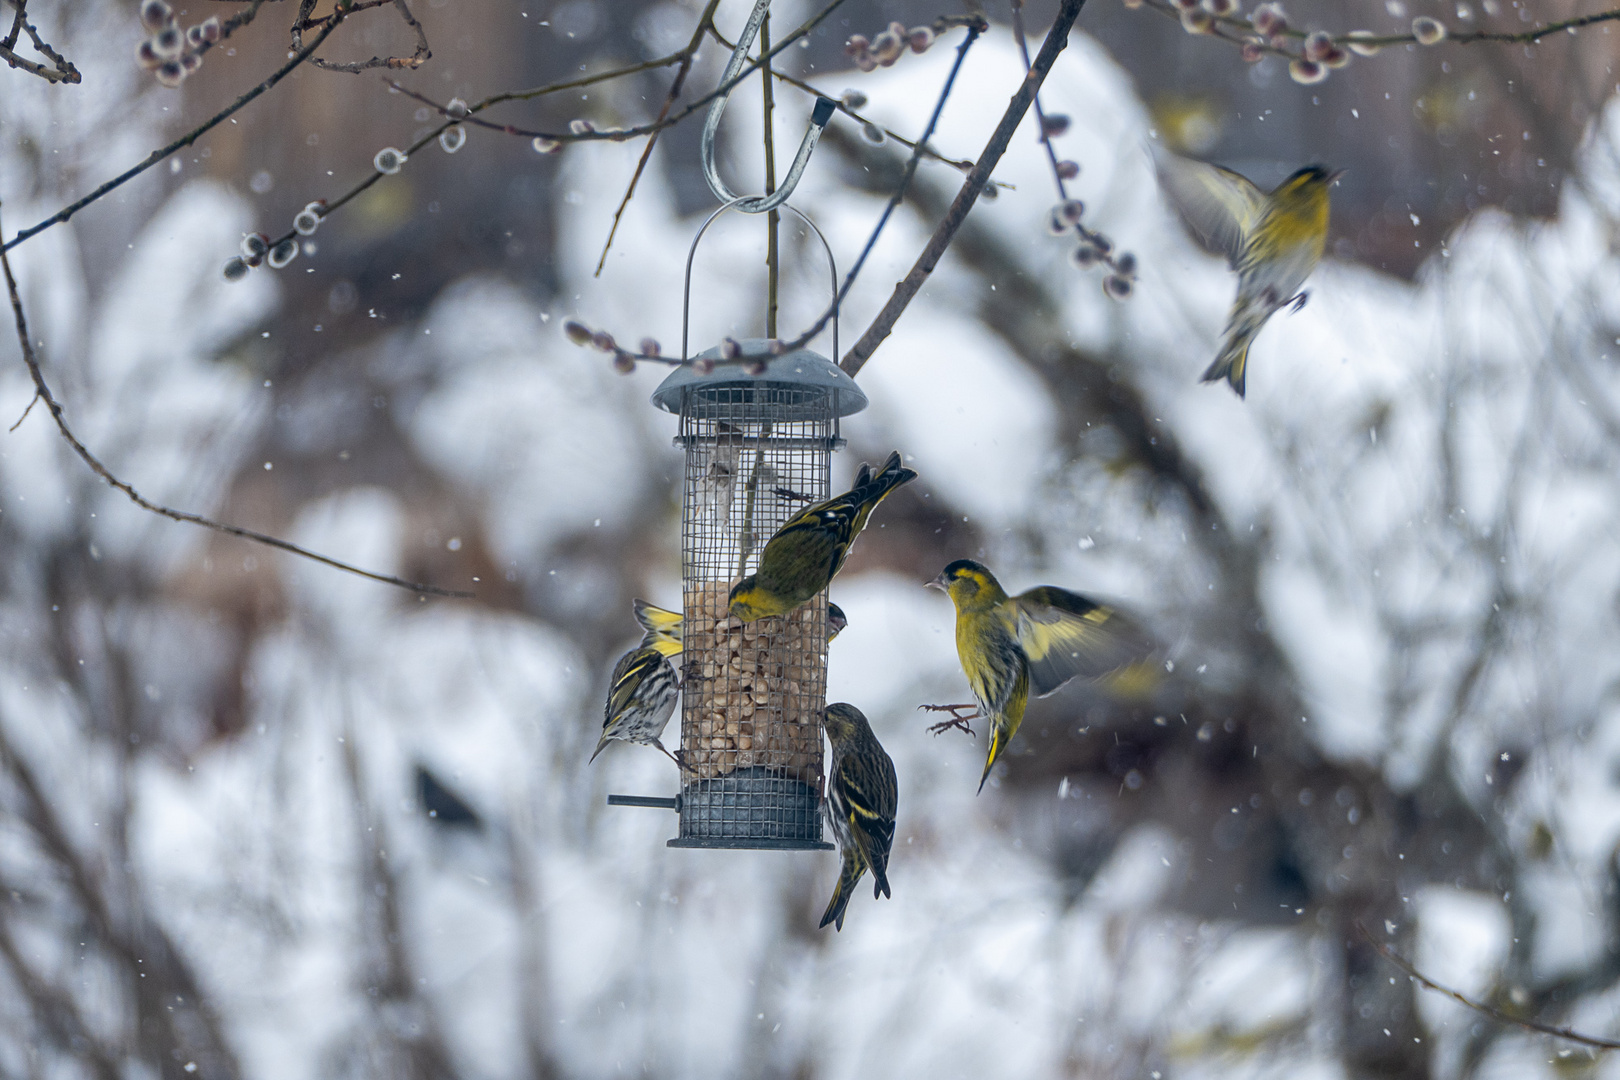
262	819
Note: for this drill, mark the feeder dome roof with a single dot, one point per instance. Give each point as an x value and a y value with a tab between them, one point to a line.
799	368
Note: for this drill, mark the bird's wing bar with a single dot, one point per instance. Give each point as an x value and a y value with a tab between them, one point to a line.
1220	206
1065	635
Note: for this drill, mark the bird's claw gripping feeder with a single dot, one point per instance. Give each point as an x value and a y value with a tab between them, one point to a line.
758	450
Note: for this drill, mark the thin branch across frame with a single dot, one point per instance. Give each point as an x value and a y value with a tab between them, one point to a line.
156	156
1479	1006
42	392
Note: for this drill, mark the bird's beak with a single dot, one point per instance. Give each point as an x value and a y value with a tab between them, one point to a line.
1333	178
937	583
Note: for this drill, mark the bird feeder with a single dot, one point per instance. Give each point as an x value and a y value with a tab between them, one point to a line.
758	430
758	450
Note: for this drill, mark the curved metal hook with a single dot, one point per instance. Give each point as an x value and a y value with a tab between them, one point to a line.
691	253
757	204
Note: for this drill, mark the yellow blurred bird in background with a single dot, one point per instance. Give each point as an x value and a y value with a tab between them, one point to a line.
1273	242
1037	640
801	559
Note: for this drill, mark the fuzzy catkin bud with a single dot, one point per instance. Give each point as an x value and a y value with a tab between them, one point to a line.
581	127
650	347
703	365
919	38
1428	31
1056	223
857	44
1198	21
853	99
543	145
1269	20
1125	264
283	253
603	341
623	363
1068	170
306	221
1116	287
1085	256
1336	57
1055	124
194	36
1252	51
1359	48
776	346
210	29
190	62
452	138
146	55
730	349
155	15
255	245
873	133
236	268
1221	8
1307	72
1131	5
755	367
887	47
389	161
1318	44
456	109
577	332
168	42
1072	210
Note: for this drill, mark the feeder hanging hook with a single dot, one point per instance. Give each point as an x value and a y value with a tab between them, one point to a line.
756	204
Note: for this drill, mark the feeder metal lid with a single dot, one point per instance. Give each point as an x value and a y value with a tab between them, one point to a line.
800	367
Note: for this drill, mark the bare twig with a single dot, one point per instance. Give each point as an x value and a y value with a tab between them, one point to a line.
687	55
411	62
62	72
1242	31
43	390
1479	1006
190	137
1056	40
973	32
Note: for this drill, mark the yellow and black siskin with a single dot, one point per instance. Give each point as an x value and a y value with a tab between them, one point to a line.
1273	241
641	697
836	620
666	626
861	797
660	626
1011	646
809	548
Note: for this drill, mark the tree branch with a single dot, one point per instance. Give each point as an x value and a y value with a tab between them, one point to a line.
1056	40
1479	1006
43	390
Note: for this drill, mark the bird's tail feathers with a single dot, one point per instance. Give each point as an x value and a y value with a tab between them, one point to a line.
999	737
847	877
880	882
1232	365
891	476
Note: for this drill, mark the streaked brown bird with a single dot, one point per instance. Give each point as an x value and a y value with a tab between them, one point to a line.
861	798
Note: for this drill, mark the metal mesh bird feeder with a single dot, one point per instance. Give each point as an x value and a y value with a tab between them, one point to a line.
758	449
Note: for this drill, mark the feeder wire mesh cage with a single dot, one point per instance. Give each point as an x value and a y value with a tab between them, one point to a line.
758	450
